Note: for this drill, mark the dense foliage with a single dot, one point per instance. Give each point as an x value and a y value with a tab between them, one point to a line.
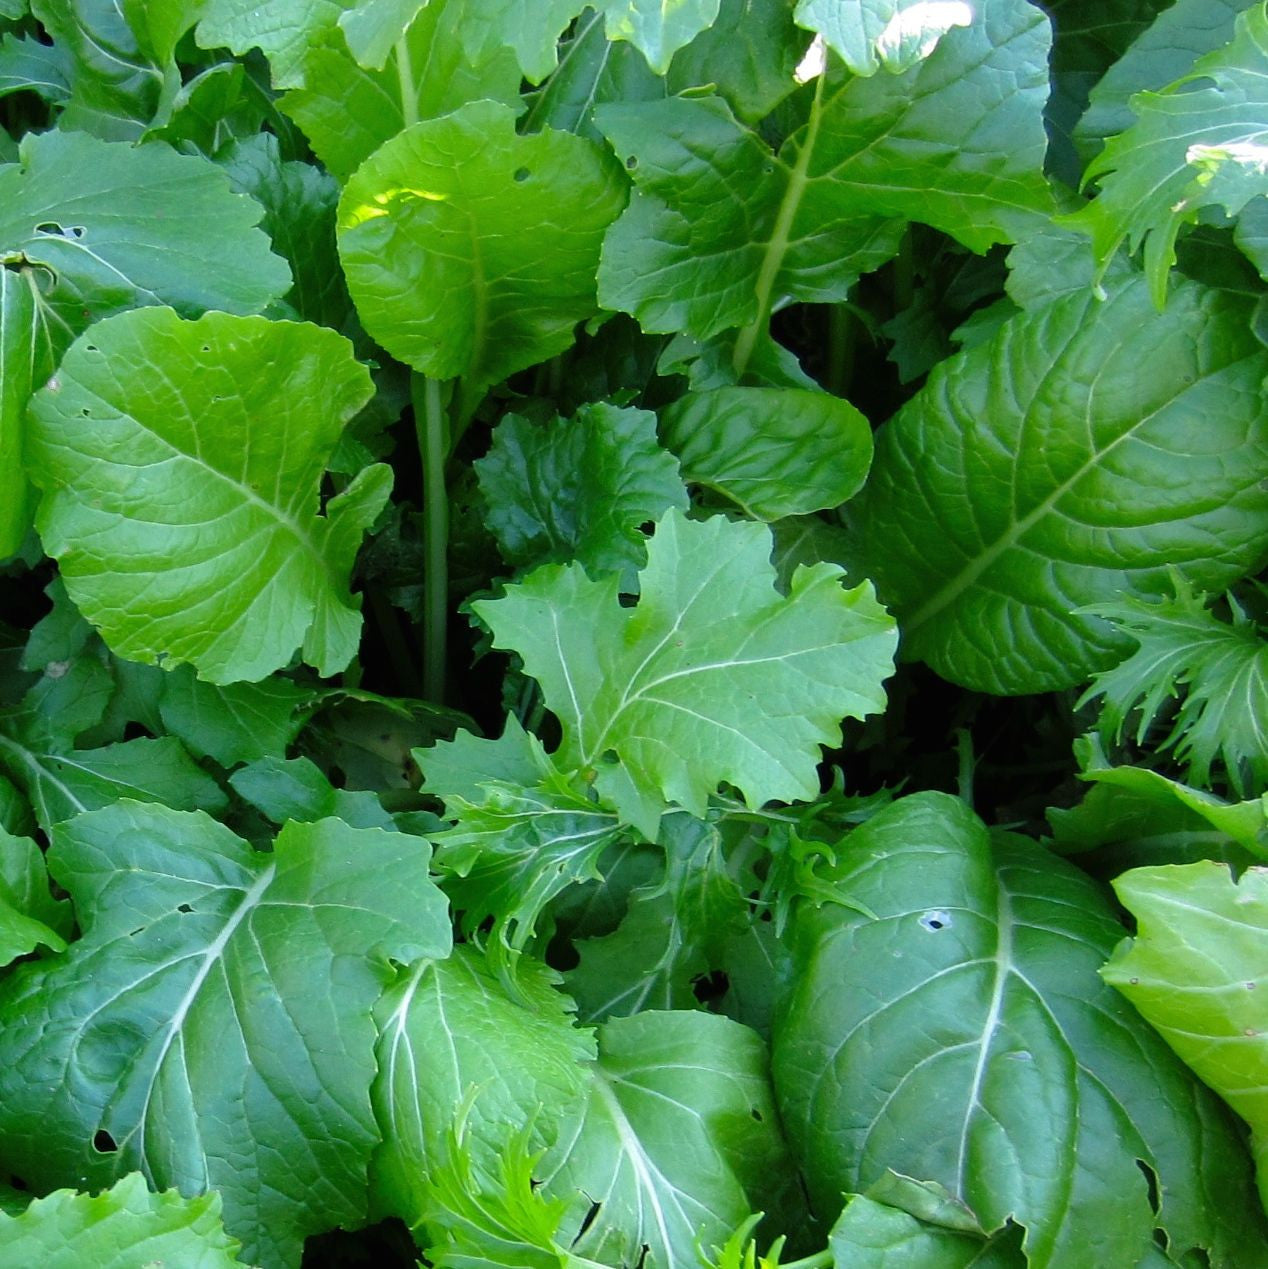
633	635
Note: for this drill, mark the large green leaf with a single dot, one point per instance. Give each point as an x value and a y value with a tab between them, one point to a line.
24	900
1195	969
774	451
1192	147
1077	456
25	362
121	1228
240	569
713	676
962	1036
873	34
212	1027
282	29
476	269
657	29
874	1233
803	223
579	489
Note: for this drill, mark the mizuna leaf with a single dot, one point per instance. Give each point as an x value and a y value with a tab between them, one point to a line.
579	489
1218	669
1192	147
1195	970
963	1037
240	569
713	676
120	1228
774	451
889	34
212	1028
1078	456
474	270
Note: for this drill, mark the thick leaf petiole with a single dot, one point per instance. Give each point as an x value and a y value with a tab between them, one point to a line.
431	424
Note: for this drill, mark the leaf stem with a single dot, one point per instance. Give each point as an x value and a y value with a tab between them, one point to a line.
780	237
841	342
820	1260
430	424
405	78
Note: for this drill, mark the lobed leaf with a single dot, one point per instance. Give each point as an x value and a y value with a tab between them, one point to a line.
893	35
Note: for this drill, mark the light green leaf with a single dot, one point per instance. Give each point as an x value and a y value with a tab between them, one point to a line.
462	766
1251	234
480	268
282	29
530	28
578	489
1192	148
284	789
869	35
803	224
117	226
24	884
240	570
27	65
1218	668
1078	456
234	723
1195	970
212	1027
963	1037
678	1140
372	27
713	676
455	1049
883	1237
657	29
158	28
774	451
348	110
121	1228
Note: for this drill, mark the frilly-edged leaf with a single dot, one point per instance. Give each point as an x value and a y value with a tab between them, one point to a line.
1196	969
480	268
240	570
775	452
1080	455
120	1228
963	1037
869	35
656	29
713	676
188	1033
1218	670
1192	147
456	1052
579	489
348	109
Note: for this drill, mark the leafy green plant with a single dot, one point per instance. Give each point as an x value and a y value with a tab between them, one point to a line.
555	561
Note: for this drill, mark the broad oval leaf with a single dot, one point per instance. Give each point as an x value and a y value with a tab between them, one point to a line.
181	463
714	675
962	1036
212	1027
476	269
1082	453
774	451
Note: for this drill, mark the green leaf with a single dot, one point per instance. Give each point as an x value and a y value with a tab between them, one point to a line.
579	489
241	569
963	1037
804	223
883	1237
24	885
774	451
183	1036
893	35
1079	455
658	30
284	789
678	1140
713	676
117	226
1218	668
347	110
27	65
454	1048
1195	969
530	28
1191	148
479	269
282	30
121	1228
372	27
158	28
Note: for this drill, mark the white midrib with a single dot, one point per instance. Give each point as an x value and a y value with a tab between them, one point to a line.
1003	967
28	759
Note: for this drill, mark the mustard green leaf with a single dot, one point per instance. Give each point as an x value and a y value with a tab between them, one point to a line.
212	1028
872	1232
656	29
474	270
120	1228
282	30
775	452
24	884
240	570
372	27
889	34
1079	455
713	676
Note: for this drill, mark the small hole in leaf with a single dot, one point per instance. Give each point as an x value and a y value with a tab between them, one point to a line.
631	163
1151	1180
647	528
103	1142
936	920
183	907
49	227
521	175
757	1114
590	1217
